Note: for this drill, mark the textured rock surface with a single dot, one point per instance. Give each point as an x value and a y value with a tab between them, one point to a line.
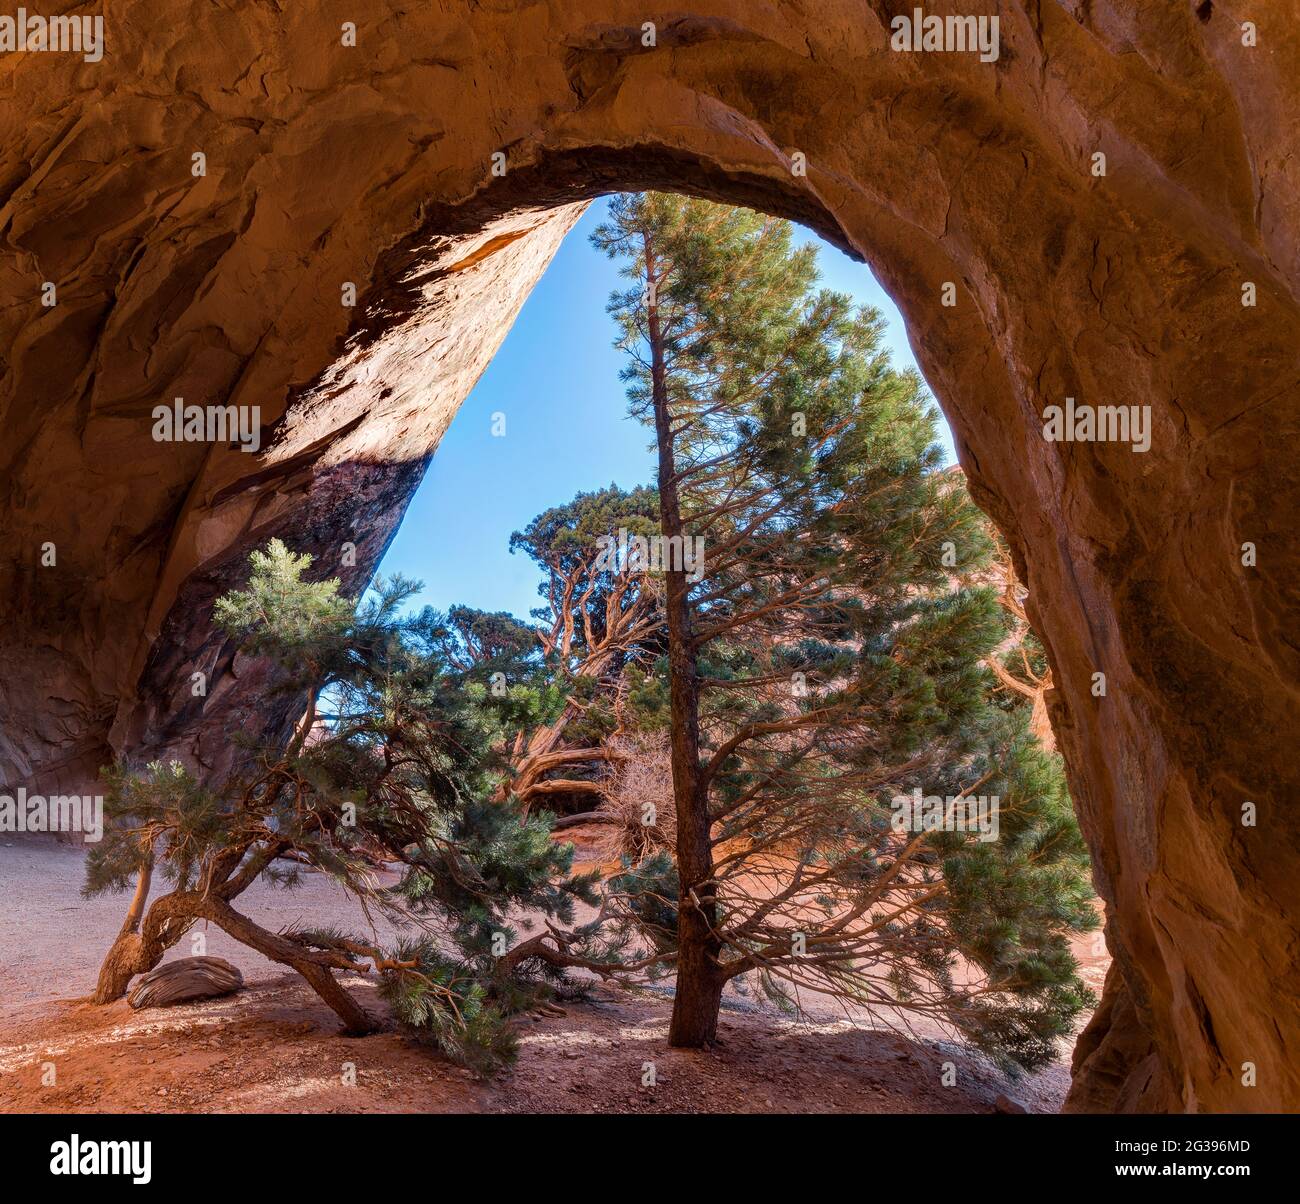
372	165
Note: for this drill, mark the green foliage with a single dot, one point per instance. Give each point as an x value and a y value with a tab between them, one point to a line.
481	643
303	626
840	638
396	761
166	798
562	538
439	1001
582	588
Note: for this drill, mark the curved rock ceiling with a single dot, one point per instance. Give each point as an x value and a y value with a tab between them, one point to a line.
328	164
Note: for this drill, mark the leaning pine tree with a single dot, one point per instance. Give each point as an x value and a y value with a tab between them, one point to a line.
822	666
392	761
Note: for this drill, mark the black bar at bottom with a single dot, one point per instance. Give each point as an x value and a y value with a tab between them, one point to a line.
338	1152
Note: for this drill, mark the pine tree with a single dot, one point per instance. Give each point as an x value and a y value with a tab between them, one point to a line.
394	754
821	663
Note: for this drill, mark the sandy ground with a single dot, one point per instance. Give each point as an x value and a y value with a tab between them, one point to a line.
275	1048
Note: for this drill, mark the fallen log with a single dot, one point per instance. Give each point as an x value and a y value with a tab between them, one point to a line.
184	980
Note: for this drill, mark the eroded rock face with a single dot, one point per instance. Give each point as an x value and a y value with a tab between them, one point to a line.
372	165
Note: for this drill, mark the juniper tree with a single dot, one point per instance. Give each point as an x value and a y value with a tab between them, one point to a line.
600	616
824	663
393	752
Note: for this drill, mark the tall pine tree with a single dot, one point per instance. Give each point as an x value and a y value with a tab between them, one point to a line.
821	665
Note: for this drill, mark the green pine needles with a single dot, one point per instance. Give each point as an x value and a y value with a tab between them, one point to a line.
838	642
393	762
831	656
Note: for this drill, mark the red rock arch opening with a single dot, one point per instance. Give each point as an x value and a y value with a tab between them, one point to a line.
325	165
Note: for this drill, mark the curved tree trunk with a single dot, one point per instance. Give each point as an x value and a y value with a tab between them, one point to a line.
141	944
139	948
541	756
121	964
357	1022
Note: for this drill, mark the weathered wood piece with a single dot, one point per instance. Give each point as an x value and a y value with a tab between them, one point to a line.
184	980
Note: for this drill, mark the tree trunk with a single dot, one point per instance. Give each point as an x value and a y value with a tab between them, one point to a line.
699	986
121	964
170	918
357	1022
140	946
699	980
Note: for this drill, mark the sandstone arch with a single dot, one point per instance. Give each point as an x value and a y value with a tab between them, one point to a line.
328	164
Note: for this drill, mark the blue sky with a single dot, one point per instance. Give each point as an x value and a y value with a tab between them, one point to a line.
556	381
